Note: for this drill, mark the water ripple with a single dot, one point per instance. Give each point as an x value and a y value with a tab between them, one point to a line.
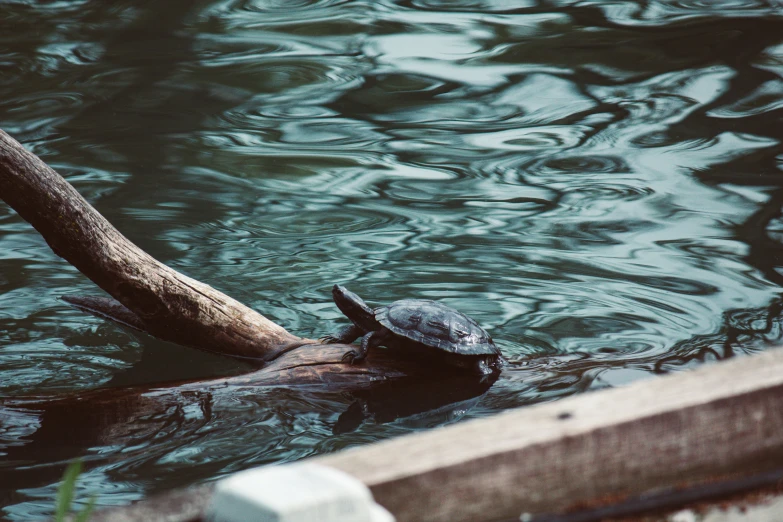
603	198
661	12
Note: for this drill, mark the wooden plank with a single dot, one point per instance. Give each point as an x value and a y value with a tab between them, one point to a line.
722	418
768	511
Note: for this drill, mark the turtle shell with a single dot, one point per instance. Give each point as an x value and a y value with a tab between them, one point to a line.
437	325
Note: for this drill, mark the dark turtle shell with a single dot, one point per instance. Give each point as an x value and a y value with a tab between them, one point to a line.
437	325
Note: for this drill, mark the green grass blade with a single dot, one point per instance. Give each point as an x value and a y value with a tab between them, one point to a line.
66	489
87	511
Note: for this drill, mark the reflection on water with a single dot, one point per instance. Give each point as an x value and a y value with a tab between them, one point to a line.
596	182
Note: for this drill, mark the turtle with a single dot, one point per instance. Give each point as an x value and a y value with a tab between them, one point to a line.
420	326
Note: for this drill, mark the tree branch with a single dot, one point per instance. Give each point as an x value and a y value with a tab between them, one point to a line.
154	298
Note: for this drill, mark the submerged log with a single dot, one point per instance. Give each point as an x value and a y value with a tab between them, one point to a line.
154	298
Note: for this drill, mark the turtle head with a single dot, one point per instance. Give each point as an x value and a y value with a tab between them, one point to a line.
354	308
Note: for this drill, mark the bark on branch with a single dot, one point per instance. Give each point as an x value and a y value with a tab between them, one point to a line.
155	298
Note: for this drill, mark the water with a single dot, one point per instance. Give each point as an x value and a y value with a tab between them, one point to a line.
597	183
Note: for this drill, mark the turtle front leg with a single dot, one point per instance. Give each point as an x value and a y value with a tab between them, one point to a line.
346	335
371	340
481	367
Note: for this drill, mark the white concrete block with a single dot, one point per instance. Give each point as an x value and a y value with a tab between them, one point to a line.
299	492
379	514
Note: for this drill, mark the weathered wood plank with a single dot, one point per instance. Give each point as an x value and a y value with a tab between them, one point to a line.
723	418
767	511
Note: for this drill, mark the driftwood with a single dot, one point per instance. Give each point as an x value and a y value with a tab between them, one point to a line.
154	298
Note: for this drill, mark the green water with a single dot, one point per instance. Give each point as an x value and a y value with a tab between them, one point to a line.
597	183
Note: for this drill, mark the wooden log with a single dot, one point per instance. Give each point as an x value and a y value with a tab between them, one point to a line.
302	363
171	305
380	390
158	300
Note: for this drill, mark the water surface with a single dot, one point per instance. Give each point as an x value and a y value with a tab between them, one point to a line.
598	183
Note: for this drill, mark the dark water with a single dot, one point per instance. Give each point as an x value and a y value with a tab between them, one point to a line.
597	183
